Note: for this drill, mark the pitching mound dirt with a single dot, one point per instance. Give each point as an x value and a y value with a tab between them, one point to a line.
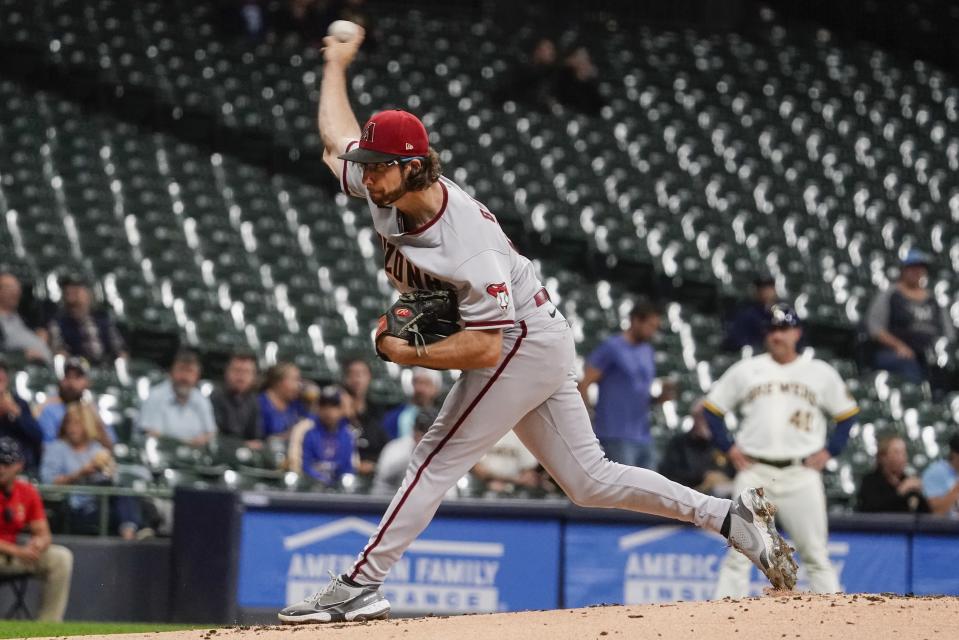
771	617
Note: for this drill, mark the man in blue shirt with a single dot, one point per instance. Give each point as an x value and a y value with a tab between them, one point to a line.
624	366
324	447
940	482
176	408
74	387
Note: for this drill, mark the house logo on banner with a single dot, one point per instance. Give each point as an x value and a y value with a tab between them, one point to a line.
658	569
440	576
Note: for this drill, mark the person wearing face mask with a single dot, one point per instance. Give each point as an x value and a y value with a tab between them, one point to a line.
906	321
176	408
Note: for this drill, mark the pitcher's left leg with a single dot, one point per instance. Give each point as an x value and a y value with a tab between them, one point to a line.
558	433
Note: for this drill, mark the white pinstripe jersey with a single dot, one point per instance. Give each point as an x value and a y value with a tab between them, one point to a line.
461	248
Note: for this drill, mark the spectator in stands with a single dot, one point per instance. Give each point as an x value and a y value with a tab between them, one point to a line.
176	408
243	18
624	367
888	488
427	385
323	447
22	511
15	335
235	405
533	84
73	389
79	330
75	458
16	421
280	405
691	459
747	328
508	466
576	84
365	415
395	457
906	321
940	482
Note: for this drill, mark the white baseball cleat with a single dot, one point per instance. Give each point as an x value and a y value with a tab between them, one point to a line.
752	532
338	602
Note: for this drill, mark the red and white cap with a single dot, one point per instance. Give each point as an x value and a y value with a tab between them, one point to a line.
390	135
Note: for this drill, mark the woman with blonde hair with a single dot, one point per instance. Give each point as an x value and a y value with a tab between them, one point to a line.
75	458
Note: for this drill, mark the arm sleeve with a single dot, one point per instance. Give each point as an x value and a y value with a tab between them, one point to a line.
49	424
27	424
485	291
601	357
877	316
34	506
837	401
935	482
51	465
725	392
149	418
344	462
840	436
717	426
351	179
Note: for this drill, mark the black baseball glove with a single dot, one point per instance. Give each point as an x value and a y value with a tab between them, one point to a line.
421	318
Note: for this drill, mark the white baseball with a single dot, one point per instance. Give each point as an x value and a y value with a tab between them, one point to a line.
343	30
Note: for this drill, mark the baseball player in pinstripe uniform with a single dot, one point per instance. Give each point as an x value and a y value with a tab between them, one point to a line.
783	401
516	351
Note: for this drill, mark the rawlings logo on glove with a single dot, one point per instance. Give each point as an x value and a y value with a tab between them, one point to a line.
420	318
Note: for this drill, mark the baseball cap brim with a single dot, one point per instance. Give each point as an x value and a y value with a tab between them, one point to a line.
367	156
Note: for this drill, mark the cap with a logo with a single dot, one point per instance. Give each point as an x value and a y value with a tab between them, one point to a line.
915	257
390	135
329	396
76	364
782	316
10	452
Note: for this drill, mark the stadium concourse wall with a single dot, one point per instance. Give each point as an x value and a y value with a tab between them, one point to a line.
237	557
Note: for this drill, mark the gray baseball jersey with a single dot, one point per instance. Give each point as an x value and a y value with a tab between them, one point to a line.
532	388
462	248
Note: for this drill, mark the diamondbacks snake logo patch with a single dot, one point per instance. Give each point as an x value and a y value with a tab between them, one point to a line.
501	293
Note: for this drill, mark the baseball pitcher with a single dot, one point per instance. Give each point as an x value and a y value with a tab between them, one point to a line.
782	400
515	349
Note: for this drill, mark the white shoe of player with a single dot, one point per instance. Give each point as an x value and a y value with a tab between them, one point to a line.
752	532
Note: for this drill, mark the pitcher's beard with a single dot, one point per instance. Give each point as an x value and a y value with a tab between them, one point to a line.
389	197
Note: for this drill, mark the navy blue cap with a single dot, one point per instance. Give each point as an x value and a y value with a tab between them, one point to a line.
329	396
915	257
781	315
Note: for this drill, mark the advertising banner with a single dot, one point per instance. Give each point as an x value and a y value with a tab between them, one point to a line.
458	565
631	565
